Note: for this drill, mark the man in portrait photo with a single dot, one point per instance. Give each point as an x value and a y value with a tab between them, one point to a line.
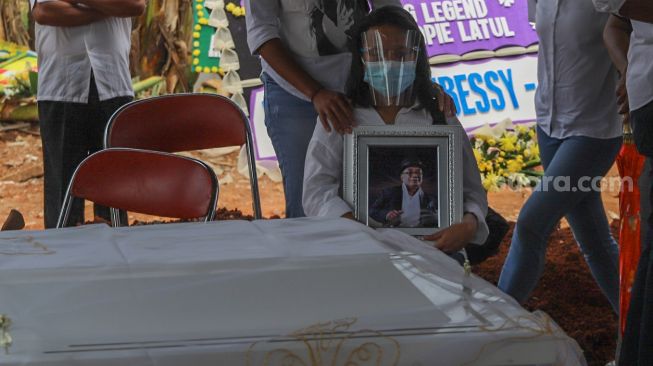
406	205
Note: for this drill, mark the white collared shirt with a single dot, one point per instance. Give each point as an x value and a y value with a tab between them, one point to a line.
66	56
323	169
576	79
313	31
410	207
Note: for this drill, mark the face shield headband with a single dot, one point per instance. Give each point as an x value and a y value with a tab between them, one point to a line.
390	61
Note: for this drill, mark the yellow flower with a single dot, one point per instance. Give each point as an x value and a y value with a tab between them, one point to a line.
515	165
478	156
230	7
521	130
491	142
535	150
531	133
508	142
491	182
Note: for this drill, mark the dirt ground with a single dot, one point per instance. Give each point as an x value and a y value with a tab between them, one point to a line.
567	291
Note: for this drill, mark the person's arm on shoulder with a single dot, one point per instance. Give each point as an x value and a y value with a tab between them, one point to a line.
263	39
323	176
64	14
330	105
114	8
616	36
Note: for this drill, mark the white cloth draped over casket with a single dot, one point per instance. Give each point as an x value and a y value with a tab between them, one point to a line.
277	292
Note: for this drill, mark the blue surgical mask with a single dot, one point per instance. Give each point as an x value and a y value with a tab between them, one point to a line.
390	78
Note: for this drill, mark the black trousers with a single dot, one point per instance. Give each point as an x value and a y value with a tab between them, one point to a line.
69	133
637	345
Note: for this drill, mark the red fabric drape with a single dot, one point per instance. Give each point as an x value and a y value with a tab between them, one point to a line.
630	164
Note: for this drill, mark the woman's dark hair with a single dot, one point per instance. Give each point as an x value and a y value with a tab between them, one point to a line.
358	91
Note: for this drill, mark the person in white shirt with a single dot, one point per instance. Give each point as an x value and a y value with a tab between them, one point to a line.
305	59
370	83
579	136
83	54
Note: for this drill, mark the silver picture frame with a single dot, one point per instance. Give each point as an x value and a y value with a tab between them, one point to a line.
446	142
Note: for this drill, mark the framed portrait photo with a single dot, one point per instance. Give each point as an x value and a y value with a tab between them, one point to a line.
404	177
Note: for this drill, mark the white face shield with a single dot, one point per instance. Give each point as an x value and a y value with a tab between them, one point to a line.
390	58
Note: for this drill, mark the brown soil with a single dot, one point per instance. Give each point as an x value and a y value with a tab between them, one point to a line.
566	291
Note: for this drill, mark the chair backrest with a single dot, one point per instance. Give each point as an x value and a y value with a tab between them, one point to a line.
149	182
184	122
178	122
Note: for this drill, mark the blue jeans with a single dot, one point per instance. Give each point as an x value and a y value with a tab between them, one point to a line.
574	160
290	122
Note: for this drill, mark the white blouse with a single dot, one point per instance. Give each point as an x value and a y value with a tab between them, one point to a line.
323	169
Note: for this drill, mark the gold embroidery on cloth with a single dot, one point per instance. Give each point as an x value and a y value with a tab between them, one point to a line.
324	344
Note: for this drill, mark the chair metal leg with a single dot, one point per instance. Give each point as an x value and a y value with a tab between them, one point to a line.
65	210
253	181
115	217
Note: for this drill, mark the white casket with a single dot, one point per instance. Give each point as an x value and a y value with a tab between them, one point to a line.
278	292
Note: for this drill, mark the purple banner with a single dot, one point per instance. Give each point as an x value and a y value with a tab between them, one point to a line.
458	27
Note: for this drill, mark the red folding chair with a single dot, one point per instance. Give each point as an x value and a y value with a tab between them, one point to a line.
184	122
148	182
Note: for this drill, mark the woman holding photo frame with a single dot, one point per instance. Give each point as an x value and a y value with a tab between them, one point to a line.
303	46
390	84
